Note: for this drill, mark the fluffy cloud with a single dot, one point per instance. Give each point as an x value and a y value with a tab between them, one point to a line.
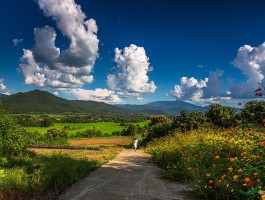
102	95
251	62
3	88
17	41
189	89
45	66
202	92
130	78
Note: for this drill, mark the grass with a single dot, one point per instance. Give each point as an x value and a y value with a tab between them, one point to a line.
217	165
45	173
105	127
103	142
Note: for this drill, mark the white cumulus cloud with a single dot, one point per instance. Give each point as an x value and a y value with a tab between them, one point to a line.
189	89
130	78
203	92
46	66
102	95
3	88
251	61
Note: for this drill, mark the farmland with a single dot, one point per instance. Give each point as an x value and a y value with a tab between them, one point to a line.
107	128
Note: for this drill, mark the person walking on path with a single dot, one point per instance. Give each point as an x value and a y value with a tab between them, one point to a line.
135	143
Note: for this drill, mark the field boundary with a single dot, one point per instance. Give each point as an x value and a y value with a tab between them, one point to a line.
66	147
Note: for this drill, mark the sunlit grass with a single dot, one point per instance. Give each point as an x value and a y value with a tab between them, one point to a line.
44	173
107	128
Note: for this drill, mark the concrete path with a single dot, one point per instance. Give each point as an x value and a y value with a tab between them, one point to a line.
130	176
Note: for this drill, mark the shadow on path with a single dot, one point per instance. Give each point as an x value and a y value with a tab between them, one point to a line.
130	176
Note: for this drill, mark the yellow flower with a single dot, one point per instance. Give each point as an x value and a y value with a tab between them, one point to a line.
208	175
255	174
235	177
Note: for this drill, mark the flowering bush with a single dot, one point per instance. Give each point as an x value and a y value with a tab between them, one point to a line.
217	164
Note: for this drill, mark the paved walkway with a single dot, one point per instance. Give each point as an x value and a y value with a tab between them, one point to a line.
130	176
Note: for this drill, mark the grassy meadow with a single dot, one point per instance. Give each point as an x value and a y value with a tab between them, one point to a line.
107	128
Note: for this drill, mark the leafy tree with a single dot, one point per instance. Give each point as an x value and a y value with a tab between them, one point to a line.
13	140
131	130
55	136
253	112
160	119
223	116
159	126
189	120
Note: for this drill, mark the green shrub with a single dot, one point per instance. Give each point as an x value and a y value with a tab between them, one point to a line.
13	140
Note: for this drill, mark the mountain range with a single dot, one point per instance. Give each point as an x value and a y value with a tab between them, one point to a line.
37	101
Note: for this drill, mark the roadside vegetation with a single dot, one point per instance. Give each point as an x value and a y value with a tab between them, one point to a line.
27	173
221	153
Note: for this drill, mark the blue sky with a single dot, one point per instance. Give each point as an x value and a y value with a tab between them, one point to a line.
200	51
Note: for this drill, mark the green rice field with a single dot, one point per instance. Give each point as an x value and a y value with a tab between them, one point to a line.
105	127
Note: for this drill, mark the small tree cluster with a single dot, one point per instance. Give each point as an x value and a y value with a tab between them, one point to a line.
13	139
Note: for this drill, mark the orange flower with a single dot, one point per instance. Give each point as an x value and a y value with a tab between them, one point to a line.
208	175
235	177
230	169
244	154
255	174
217	157
262	143
232	159
246	179
214	165
223	176
240	170
250	132
210	181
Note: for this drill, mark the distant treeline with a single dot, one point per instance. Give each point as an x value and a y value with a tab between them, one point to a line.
217	117
28	120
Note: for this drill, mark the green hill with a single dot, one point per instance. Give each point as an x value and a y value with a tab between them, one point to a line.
44	102
99	107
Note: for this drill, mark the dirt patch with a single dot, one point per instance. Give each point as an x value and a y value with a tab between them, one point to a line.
102	141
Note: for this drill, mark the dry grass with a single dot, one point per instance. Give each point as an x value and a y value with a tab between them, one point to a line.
113	141
101	156
112	146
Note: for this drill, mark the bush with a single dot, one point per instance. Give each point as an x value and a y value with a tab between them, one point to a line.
253	113
187	121
223	116
13	140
